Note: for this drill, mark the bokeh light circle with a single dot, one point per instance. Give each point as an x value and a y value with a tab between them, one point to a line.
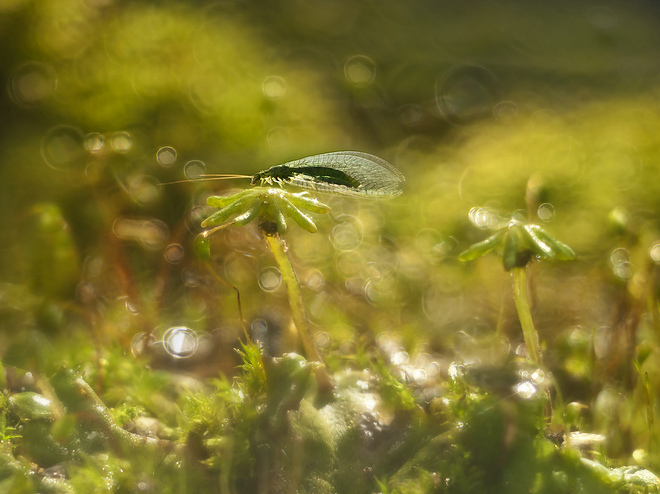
62	147
270	279
360	70
467	94
180	342
194	169
31	83
166	156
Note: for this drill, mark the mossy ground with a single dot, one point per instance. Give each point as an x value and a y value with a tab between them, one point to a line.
549	111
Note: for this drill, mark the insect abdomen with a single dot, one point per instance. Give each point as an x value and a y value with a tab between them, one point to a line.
322	175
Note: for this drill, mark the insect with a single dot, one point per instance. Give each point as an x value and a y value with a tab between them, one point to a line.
350	173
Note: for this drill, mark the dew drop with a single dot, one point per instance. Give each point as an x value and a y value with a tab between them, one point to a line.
505	111
347	234
526	390
174	253
585	440
399	357
654	252
31	83
602	341
607	403
194	169
619	255
274	87
143	189
379	291
345	237
621	266
190	278
259	329
151	234
546	211
85	292
455	371
132	307
278	137
93	266
270	279
410	115
141	343
180	342
94	142
483	217
360	70
315	279
432	370
323	340
623	270
62	147
347	347
121	142
641	456
355	285
419	376
467	94
444	247
166	156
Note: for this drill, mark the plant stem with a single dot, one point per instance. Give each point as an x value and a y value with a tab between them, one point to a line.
276	246
525	315
238	299
500	318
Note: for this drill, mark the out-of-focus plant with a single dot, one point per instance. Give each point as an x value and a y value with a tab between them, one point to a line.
519	243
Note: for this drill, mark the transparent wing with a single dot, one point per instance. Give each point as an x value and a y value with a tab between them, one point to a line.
374	175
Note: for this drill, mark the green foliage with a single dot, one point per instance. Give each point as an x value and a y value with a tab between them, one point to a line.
519	242
271	206
550	108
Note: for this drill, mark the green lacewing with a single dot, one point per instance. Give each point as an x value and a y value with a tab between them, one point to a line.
344	172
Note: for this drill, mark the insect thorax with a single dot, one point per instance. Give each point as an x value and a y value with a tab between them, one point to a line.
274	175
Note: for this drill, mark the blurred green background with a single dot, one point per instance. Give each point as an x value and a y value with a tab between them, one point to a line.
487	108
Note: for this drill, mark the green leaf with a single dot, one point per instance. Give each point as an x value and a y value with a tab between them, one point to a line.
298	216
203	247
225	213
560	250
516	251
224	201
481	248
540	248
302	200
280	221
249	215
31	406
634	475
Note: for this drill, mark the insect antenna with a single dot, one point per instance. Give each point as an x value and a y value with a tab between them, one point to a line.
208	177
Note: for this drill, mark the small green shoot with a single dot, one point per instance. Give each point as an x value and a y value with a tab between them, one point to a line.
648	400
271	207
519	243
